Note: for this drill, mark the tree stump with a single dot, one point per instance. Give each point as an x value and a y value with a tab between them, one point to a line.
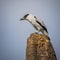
39	47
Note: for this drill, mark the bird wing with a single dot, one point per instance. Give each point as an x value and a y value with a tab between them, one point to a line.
40	22
39	19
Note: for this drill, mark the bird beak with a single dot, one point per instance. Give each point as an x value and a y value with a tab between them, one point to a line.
22	19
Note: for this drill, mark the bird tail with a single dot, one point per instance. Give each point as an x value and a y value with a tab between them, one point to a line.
46	33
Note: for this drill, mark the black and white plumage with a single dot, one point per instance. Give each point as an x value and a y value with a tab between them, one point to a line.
36	22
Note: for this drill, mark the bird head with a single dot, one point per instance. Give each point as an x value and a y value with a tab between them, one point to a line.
27	17
24	17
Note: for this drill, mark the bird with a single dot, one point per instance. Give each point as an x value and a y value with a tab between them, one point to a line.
36	22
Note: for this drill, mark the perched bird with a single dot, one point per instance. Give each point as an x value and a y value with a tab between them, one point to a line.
37	23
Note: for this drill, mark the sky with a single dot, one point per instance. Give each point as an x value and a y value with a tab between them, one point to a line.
14	33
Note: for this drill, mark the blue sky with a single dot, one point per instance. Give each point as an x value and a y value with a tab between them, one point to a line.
14	33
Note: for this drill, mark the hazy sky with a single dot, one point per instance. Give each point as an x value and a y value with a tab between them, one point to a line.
14	34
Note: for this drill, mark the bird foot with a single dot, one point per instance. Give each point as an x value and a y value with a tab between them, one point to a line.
37	32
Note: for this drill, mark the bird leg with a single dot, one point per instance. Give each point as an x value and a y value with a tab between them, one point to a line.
37	32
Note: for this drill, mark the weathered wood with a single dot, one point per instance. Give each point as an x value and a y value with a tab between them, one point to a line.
39	47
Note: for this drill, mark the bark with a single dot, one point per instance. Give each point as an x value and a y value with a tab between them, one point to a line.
39	47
